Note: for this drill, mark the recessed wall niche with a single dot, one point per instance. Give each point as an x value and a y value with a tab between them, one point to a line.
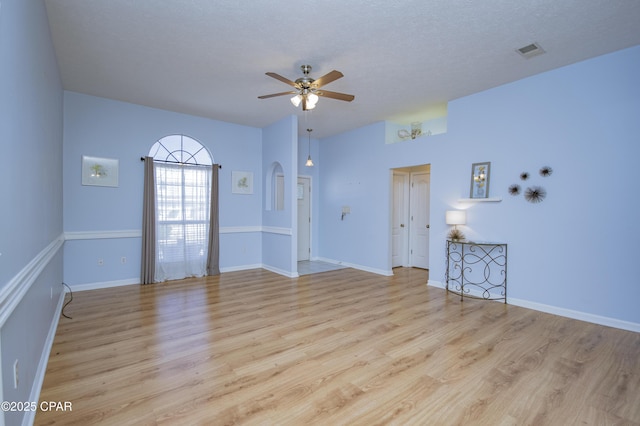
274	190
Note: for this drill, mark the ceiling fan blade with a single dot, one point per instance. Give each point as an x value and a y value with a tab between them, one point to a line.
335	95
282	79
273	95
327	78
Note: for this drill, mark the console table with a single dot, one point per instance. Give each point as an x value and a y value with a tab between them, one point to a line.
477	269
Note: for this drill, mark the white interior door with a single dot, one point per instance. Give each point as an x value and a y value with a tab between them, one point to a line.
419	210
399	219
304	218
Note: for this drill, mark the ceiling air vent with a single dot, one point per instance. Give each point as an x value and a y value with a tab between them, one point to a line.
530	50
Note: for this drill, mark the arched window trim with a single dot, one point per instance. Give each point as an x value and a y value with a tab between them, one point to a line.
177	154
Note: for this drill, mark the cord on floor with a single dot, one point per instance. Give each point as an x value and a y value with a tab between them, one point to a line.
69	301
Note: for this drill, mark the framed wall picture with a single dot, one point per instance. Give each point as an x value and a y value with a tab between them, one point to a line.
480	180
98	171
242	182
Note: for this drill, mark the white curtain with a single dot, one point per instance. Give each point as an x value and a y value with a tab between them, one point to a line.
183	200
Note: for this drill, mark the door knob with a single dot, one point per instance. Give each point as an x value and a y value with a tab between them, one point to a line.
428	226
402	225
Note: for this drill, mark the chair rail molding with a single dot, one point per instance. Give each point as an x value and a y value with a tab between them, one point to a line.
98	235
18	286
137	233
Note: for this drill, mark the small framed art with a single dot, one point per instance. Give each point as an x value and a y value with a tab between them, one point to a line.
98	171
242	182
480	173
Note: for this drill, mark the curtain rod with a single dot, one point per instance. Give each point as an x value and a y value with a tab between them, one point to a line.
177	162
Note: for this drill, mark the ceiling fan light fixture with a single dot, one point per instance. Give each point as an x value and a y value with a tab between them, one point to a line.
312	98
306	86
296	100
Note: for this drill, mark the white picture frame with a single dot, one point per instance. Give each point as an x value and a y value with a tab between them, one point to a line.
241	182
97	171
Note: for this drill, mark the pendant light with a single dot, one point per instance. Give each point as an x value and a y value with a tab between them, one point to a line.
309	162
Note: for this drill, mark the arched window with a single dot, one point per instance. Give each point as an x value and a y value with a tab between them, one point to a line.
180	149
183	200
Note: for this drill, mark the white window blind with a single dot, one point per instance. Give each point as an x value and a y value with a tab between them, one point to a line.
182	219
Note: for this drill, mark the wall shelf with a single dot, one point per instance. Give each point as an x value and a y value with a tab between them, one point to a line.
480	200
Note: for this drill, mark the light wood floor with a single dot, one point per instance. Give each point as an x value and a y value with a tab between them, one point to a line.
338	348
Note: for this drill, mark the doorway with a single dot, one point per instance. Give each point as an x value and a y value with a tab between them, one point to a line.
410	225
304	217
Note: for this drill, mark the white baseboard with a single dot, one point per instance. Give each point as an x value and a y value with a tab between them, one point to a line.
562	312
438	284
132	281
582	316
386	273
38	379
568	313
260	266
279	271
288	274
104	284
240	268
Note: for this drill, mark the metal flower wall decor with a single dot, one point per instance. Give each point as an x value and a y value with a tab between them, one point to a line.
514	189
534	193
545	171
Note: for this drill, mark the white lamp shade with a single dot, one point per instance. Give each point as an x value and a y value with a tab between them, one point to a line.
456	217
296	100
312	98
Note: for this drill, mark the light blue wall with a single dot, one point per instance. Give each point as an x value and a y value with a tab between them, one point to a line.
279	241
31	136
105	128
31	193
576	250
355	174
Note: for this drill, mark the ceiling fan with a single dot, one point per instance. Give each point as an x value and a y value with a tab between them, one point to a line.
308	89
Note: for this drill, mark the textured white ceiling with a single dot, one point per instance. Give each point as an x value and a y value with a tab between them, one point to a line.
403	60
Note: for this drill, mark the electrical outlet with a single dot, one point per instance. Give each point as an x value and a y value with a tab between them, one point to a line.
100	262
123	259
15	374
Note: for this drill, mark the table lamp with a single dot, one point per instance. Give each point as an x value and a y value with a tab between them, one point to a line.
455	218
